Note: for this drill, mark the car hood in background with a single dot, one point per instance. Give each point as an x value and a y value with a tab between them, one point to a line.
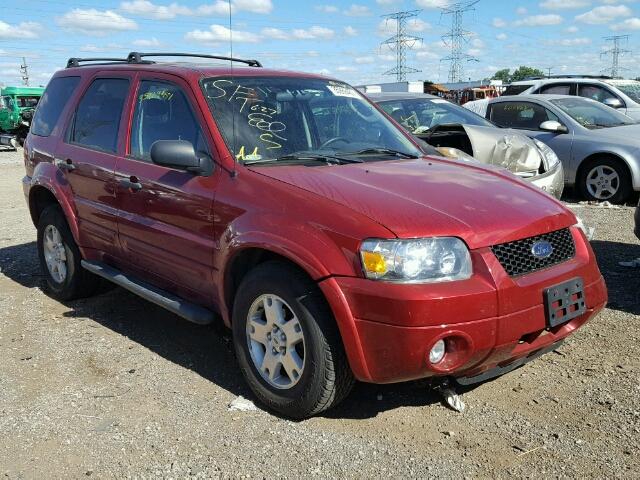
504	148
434	197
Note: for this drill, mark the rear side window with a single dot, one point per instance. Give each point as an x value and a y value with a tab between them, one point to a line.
97	117
162	112
515	89
556	89
52	103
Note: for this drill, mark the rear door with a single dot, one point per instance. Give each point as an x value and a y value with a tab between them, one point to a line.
165	222
87	155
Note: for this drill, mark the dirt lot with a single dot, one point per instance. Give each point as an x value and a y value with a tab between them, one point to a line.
113	386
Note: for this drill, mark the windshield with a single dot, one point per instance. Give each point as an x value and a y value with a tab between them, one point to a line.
27	101
421	114
270	118
631	90
592	114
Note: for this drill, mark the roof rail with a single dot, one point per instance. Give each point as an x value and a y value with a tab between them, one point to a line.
137	57
543	77
75	62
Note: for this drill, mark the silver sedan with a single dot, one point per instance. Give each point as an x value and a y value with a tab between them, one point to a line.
598	146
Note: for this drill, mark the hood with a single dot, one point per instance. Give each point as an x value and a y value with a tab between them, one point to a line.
434	197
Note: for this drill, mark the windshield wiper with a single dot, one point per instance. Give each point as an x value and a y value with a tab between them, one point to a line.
384	151
304	156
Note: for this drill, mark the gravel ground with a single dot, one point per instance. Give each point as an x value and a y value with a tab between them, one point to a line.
113	386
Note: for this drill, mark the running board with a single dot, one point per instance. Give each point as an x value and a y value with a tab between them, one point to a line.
187	310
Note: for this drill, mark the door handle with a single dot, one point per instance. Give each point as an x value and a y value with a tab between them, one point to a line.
66	165
132	183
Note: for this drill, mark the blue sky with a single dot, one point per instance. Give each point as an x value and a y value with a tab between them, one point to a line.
337	38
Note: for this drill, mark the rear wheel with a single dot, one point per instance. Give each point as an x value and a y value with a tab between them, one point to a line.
605	179
60	258
287	343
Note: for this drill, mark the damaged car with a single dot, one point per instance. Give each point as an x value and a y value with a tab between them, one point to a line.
458	133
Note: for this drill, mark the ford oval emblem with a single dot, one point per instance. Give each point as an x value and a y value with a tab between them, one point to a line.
542	249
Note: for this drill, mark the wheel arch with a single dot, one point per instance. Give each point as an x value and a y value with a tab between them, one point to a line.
634	173
42	195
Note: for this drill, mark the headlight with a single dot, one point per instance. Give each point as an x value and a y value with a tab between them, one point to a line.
421	260
549	157
450	152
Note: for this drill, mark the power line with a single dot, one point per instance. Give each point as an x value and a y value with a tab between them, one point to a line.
616	51
400	42
455	39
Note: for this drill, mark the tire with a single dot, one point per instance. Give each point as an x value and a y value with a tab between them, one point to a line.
326	377
615	178
75	282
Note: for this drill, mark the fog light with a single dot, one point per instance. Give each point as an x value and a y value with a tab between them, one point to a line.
437	352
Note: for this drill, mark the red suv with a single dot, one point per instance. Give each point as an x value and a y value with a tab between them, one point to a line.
296	211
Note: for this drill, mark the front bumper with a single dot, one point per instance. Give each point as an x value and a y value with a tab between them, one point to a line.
490	321
551	182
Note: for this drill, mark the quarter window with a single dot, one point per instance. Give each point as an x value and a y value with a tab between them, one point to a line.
162	112
97	118
522	115
52	103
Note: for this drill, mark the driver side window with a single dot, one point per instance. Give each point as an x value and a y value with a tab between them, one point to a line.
520	115
162	112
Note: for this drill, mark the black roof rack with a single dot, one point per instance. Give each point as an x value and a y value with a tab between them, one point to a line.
543	77
137	57
75	62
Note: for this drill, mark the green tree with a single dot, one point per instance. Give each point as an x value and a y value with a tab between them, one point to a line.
523	72
504	75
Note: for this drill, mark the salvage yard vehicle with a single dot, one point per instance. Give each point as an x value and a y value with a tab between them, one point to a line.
621	94
291	207
17	105
458	133
637	221
597	145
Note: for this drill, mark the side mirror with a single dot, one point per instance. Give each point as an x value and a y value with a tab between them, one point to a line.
613	102
180	154
553	126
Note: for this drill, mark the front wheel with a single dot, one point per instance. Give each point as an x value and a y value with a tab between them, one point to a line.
605	179
287	343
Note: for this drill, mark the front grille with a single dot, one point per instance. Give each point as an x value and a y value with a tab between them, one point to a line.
517	258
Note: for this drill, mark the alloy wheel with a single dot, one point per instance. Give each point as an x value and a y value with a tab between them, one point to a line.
55	254
602	182
276	341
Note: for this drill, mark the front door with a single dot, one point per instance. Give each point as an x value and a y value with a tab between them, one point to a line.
87	156
165	220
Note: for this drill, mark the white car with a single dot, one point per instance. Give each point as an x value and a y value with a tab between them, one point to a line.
623	95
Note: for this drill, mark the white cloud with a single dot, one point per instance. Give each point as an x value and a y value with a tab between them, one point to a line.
357	11
350	31
417	25
539	20
604	14
20	30
570	42
326	8
564	4
522	11
313	33
572	29
219	8
365	60
147	42
628	24
254	6
275	33
147	9
386	2
501	36
220	34
429	4
499	23
95	22
346	68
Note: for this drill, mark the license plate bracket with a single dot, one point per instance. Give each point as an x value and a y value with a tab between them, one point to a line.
564	302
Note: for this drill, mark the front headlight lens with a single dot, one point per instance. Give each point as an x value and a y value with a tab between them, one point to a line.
549	157
420	260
